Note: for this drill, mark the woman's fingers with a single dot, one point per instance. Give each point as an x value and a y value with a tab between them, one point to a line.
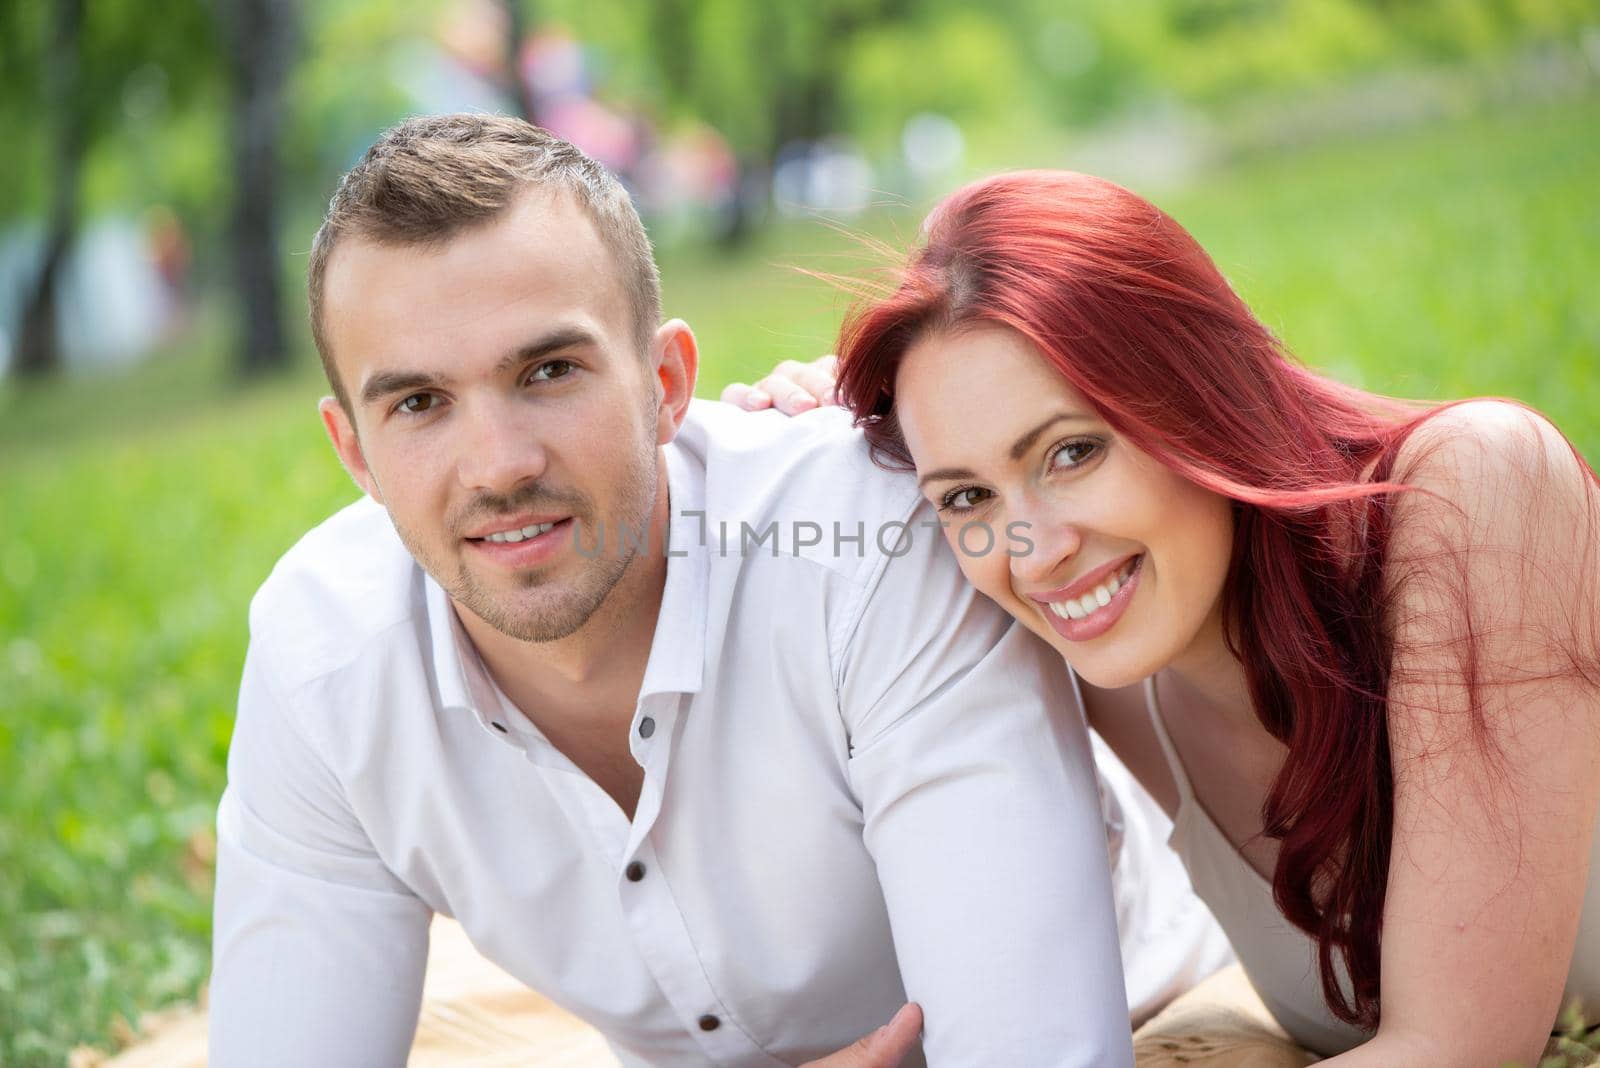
792	387
747	397
884	1048
787	396
818	378
798	387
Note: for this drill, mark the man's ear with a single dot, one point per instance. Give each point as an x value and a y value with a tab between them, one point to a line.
342	433
675	361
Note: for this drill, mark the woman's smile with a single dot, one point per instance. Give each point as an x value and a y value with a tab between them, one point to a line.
1093	604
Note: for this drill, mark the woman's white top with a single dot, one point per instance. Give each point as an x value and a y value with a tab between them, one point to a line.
1281	959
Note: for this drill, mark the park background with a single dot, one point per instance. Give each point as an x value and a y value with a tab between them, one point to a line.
1406	192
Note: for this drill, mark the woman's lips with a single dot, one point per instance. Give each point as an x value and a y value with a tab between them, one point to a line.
1103	618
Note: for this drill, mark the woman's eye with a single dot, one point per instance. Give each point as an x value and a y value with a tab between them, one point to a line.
963	500
418	403
1074	453
553	369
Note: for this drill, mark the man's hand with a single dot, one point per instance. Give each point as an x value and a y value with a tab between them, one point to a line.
885	1047
792	387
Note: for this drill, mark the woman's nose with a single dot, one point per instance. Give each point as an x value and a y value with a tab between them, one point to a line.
1041	547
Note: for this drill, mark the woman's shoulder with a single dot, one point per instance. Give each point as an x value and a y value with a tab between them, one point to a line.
1478	437
1492	549
1487	469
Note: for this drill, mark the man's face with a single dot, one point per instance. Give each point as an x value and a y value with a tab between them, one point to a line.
500	406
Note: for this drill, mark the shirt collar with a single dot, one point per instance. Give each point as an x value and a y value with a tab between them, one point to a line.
459	675
677	649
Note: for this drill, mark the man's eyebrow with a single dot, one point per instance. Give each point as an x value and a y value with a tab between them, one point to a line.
387	383
566	337
1023	444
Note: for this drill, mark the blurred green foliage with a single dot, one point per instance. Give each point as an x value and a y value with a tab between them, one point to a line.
1213	51
142	82
1019	62
1455	261
153	89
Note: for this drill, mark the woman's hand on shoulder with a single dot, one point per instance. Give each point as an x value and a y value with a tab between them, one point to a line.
792	387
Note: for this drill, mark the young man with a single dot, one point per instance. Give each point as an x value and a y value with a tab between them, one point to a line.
675	709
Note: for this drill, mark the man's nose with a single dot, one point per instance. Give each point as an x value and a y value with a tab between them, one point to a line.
499	451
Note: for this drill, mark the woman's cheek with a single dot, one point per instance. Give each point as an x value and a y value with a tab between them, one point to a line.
980	571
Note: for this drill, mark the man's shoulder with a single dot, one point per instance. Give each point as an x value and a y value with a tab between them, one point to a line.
345	581
796	480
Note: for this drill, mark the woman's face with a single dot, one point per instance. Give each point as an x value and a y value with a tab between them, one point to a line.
1112	558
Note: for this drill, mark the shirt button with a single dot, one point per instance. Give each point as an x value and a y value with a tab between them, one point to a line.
709	1022
634	872
501	727
647	727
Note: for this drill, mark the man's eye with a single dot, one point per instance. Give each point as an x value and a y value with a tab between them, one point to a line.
553	369
418	403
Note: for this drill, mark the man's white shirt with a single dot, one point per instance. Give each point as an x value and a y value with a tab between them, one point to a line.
863	783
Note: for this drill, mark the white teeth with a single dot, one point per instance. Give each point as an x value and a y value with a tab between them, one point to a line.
519	535
1095	599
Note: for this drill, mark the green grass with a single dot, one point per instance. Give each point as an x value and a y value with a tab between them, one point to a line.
140	512
1435	265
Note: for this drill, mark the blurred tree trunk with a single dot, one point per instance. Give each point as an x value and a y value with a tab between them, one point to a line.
806	105
261	37
38	346
517	21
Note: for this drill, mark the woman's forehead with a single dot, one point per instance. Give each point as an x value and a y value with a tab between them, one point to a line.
973	393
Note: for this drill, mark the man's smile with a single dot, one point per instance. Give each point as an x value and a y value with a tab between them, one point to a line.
522	545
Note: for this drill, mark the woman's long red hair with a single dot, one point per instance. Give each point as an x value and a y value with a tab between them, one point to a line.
1134	314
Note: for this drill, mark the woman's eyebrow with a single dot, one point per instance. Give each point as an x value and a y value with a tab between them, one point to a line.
1023	444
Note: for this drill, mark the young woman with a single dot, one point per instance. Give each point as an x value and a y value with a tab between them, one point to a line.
1352	644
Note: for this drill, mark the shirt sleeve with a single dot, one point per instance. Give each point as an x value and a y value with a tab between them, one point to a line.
318	950
971	761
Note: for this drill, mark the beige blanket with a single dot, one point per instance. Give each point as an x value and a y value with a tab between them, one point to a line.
476	1016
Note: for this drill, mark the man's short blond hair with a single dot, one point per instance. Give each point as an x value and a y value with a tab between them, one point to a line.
428	179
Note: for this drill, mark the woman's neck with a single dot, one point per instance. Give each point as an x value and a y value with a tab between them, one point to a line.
1212	677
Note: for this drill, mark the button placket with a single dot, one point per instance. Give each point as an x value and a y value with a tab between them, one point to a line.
669	952
652	748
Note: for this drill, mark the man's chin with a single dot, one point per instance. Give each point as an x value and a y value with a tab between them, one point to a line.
524	606
525	625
